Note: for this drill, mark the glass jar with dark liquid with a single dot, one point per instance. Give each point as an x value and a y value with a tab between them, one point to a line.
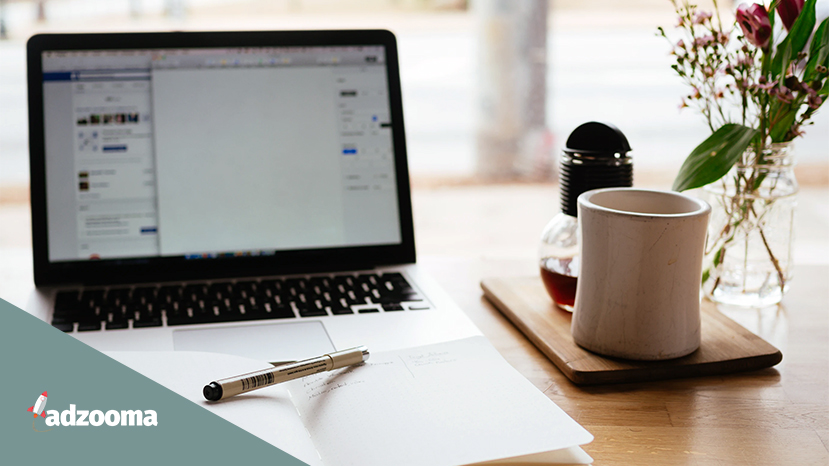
559	259
595	157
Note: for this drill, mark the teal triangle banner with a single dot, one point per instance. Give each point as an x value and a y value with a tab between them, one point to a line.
65	403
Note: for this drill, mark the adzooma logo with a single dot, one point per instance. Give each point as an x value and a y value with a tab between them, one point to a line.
82	417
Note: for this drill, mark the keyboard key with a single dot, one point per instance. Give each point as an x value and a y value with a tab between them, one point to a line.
57	319
324	283
366	308
299	284
92	298
144	295
410	296
118	296
146	322
64	326
116	324
198	314
249	287
274	285
89	326
193	293
340	307
146	317
274	311
88	316
372	279
354	298
312	312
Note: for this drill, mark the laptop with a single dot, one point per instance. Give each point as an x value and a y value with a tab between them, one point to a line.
236	192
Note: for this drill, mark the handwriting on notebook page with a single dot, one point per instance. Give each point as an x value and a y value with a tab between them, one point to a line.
324	383
431	358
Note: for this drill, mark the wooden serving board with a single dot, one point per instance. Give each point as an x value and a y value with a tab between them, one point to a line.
726	346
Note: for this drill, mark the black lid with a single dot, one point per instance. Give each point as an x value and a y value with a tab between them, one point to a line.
595	157
597	138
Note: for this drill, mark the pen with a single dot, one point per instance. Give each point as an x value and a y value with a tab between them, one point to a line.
232	386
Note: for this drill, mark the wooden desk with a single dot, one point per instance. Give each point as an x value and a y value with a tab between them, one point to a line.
778	416
775	416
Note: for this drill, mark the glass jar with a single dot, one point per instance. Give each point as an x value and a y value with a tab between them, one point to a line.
748	258
559	264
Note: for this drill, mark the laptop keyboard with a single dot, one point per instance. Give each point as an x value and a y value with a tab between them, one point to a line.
233	301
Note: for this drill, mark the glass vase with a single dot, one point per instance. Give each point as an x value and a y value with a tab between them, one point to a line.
748	259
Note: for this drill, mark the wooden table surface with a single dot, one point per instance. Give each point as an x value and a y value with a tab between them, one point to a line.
776	416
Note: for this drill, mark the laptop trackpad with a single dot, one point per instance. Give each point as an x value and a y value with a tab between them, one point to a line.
271	342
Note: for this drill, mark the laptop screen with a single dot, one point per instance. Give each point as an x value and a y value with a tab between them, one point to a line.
204	153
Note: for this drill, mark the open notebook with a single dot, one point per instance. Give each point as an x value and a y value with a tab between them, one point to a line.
450	403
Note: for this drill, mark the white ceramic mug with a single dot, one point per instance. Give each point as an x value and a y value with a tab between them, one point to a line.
638	290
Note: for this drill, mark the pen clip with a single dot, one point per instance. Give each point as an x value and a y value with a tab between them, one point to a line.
280	363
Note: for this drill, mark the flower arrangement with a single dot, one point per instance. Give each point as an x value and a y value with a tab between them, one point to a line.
775	85
757	85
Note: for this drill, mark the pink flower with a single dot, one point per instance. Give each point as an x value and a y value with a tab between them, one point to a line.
703	16
754	21
785	95
768	87
704	40
745	60
788	11
814	100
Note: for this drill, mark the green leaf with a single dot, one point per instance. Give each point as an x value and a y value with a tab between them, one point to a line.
818	51
714	157
787	57
784	124
718	257
797	38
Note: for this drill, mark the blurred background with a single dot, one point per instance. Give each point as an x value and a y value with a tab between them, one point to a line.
491	88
